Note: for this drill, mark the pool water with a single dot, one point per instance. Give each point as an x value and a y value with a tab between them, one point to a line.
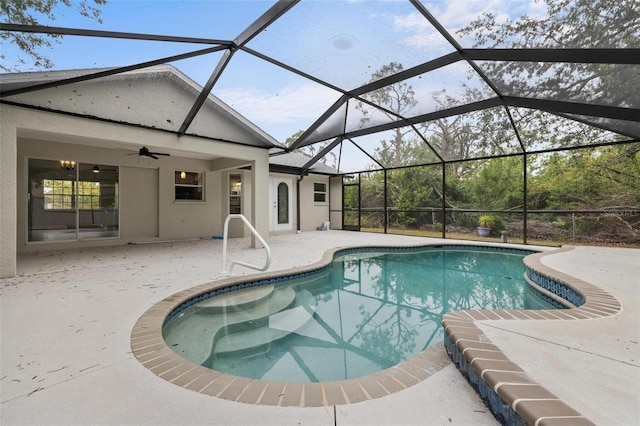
365	312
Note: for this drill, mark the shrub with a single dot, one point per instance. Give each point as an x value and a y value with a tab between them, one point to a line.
487	221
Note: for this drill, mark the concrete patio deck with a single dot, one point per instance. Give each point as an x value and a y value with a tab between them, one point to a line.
66	321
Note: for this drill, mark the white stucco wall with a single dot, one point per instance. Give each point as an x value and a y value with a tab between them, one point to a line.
335	200
312	214
27	132
259	190
8	191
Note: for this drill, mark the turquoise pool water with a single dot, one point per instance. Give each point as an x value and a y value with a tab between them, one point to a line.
365	312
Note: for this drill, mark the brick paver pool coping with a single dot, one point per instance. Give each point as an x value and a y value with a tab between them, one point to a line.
508	391
511	394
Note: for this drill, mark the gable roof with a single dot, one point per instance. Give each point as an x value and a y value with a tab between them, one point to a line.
154	97
294	162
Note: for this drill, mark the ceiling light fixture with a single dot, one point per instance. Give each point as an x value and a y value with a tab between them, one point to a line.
67	165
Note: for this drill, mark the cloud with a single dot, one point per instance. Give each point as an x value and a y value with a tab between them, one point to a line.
280	114
291	104
454	15
413	22
428	41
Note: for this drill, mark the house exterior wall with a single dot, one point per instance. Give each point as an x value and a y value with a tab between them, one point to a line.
313	214
335	201
8	191
176	219
291	179
33	133
237	227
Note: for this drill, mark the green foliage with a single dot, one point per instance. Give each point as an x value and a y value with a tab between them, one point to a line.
466	221
487	221
583	24
494	223
413	188
593	178
398	99
497	184
596	178
25	12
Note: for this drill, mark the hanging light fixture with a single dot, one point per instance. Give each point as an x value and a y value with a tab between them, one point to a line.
183	175
67	165
96	169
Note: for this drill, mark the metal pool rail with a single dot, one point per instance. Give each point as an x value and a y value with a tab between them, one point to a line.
237	262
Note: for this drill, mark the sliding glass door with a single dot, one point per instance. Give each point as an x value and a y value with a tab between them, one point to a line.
69	200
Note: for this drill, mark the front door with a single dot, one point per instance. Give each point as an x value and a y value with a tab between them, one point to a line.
280	199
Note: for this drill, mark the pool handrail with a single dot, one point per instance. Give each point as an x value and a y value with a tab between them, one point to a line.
237	262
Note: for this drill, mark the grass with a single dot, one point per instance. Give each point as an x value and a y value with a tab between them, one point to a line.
475	237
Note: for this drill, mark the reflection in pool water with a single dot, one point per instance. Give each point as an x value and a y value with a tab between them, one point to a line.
365	312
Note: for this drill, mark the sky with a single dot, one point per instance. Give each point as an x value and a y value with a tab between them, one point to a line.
341	41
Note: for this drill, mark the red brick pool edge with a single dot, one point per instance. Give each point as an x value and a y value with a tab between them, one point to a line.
510	393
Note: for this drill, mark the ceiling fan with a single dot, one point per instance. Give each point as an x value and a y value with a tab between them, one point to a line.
144	152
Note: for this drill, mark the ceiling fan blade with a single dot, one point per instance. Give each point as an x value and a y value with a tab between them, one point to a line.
144	152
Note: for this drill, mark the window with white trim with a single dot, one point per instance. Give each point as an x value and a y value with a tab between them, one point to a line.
61	194
319	192
235	194
189	186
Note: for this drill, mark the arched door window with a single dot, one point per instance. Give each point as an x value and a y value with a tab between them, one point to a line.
283	203
280	198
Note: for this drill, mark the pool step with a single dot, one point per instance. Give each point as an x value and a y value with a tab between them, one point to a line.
238	300
279	325
208	325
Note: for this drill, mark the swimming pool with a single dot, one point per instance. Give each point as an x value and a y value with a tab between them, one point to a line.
366	311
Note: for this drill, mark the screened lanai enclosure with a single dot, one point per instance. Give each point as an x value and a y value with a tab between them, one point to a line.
441	117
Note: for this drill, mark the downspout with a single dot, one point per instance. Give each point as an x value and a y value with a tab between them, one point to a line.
444	200
298	203
386	211
525	197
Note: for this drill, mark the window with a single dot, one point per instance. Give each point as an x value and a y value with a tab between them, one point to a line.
88	195
72	202
189	186
235	194
319	192
60	195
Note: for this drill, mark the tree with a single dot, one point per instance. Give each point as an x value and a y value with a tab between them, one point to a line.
411	189
497	185
567	24
597	178
397	99
311	151
28	12
417	187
